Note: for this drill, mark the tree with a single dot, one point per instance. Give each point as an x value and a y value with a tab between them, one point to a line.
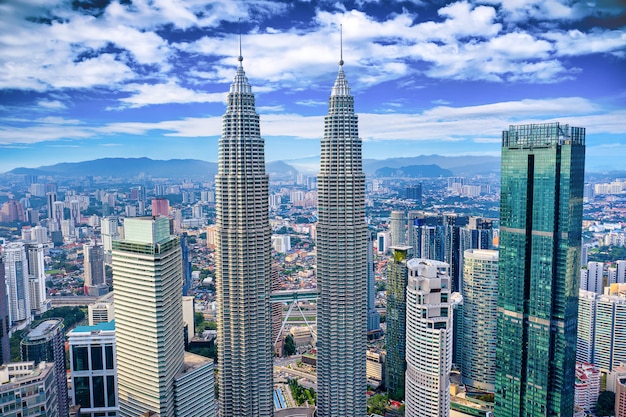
606	404
290	345
377	404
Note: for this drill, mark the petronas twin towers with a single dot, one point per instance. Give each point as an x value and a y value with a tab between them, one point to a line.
243	258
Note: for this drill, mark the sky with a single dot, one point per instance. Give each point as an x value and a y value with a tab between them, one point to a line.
81	80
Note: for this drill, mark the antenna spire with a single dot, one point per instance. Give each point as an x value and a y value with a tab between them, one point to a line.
341	44
240	58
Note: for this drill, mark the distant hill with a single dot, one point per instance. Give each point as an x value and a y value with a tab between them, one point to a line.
414	171
457	165
134	167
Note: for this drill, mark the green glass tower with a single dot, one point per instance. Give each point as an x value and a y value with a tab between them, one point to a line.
395	362
540	234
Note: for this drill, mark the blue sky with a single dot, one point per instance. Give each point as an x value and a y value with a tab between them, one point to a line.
88	79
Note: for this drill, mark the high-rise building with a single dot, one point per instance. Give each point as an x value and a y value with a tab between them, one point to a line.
75	216
16	275
95	282
398	225
539	275
51	198
383	242
429	305
373	317
477	341
5	319
39	234
243	260
39	303
148	316
101	311
160	207
586	333
341	261
109	231
58	213
45	343
397	279
587	386
592	277
92	369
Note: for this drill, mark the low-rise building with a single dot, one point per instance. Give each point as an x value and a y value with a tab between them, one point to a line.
27	389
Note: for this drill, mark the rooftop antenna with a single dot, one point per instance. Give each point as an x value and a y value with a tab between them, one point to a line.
240	58
341	44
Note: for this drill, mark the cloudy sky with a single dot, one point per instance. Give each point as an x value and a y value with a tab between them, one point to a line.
86	79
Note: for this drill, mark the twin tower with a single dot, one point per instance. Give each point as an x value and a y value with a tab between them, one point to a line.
243	257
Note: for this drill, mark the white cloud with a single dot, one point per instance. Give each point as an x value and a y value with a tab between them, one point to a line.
52	104
147	94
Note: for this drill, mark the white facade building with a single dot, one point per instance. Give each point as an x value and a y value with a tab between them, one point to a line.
587	386
147	271
16	276
39	302
477	339
591	277
429	304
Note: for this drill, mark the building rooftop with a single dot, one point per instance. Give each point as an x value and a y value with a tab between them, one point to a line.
100	327
193	362
43	329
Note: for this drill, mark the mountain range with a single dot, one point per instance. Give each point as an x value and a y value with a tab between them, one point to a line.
417	166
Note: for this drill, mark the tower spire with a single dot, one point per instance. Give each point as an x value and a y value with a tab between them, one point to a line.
240	58
341	44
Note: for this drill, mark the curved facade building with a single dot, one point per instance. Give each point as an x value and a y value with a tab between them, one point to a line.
480	313
341	261
243	260
429	305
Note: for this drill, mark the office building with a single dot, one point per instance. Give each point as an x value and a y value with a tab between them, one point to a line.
383	242
5	319
51	198
429	305
28	389
195	388
109	232
160	207
341	261
95	282
542	179
243	260
92	369
477	340
414	192
16	275
375	368
397	222
38	293
102	311
395	337
148	316
46	343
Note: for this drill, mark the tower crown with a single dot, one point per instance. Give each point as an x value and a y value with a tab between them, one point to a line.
240	83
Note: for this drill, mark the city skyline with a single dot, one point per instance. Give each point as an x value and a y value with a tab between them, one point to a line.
148	80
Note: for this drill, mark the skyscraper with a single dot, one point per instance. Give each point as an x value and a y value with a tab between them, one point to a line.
398	225
373	317
477	340
148	316
5	320
540	234
243	260
429	325
16	275
95	282
395	364
39	303
341	261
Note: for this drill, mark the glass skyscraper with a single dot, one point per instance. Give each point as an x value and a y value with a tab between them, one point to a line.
395	362
341	261
243	260
540	234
